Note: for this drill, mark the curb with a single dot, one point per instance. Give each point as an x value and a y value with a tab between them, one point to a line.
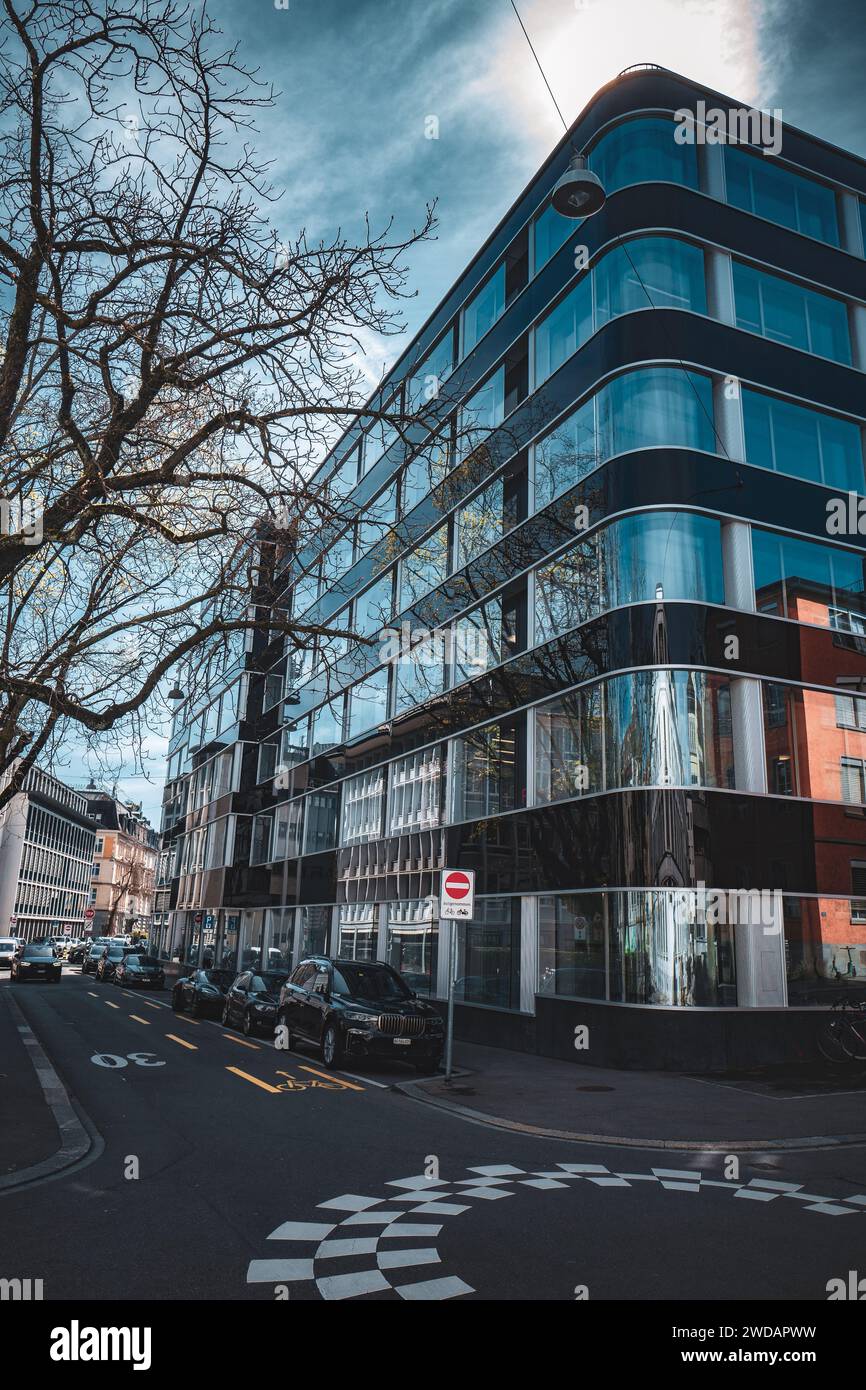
464	1112
76	1141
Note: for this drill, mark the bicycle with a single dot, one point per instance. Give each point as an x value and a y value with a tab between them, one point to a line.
842	1034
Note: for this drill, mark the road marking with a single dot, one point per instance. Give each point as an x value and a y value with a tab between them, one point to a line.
145	1021
182	1042
367	1080
254	1079
243	1042
331	1076
110	1005
193	1021
151	1005
92	995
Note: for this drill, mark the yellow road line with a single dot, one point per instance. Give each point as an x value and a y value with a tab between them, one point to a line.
110	1005
243	1042
332	1076
193	1021
92	995
150	1004
182	1041
145	1021
254	1079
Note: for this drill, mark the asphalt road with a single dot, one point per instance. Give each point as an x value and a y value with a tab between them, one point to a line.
261	1176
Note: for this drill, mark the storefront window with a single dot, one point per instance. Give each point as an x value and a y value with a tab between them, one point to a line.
413	939
572	955
488	955
314	931
667	948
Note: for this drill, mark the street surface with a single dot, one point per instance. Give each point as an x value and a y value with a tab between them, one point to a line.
262	1176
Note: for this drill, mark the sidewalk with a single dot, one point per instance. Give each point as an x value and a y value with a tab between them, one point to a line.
28	1131
778	1108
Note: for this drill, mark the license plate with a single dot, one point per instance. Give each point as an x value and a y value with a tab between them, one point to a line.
402	1042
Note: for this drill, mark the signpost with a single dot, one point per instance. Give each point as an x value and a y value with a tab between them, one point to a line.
457	904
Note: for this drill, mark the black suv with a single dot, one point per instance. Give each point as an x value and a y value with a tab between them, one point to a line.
359	1009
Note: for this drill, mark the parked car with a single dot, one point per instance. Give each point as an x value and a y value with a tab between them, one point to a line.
138	970
202	992
76	950
111	957
93	954
359	1009
37	961
251	1002
7	952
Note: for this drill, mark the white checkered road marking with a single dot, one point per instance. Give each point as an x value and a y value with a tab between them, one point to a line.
418	1196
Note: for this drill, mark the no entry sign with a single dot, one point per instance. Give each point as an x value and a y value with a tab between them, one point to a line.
458	894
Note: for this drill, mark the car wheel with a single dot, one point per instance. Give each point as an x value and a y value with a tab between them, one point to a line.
332	1047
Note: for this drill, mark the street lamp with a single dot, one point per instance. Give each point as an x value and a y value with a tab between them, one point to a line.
175	693
579	193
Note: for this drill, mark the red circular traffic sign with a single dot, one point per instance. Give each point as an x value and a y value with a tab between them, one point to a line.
88	913
456	886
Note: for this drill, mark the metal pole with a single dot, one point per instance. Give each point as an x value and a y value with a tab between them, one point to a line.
452	976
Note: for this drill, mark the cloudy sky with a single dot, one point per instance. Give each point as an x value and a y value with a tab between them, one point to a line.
357	80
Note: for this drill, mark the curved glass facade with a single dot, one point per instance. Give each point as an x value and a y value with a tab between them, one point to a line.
636	559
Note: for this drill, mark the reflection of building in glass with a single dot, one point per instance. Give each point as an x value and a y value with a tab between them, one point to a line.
629	652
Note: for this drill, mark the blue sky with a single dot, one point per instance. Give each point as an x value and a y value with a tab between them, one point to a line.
358	79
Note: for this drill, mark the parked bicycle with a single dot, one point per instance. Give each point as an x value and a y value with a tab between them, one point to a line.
842	1033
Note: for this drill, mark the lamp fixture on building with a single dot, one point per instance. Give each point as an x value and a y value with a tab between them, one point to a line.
579	193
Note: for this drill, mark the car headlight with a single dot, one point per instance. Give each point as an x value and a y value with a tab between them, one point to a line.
369	1019
262	1008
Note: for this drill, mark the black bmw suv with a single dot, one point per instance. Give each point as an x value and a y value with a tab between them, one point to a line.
358	1008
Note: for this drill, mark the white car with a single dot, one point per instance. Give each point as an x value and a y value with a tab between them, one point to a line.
8	947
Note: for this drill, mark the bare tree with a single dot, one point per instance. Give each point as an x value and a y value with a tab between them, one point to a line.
171	368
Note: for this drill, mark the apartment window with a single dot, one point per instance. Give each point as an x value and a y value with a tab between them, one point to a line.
427	380
851	712
482	413
415	791
550	231
267	760
809	580
483	310
650	407
363	805
803	442
424	568
563	330
489	771
640	558
790	314
858	887
294	744
768	190
368	703
853	781
643	149
651	272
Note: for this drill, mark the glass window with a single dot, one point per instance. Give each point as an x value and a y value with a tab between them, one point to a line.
815	743
563	330
489	773
788	313
320	820
478	642
482	413
415	793
374	608
260	844
424	568
413	937
674	555
327	726
314	931
551	230
651	272
571	945
642	409
419	671
379	517
338	559
812	583
344	479
644	149
479	523
425	472
488	955
368	703
664	950
425	382
805	443
305	593
768	190
288	829
647	728
379	437
359	931
483	310
363	804
294	744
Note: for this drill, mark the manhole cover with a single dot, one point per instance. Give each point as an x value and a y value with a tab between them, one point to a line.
595	1088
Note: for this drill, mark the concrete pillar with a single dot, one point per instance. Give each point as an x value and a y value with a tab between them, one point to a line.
728	416
850	225
720	286
857	330
528	953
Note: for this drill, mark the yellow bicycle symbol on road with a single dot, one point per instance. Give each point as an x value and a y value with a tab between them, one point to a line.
294	1083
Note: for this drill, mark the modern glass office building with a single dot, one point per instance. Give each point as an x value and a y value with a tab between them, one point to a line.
609	626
